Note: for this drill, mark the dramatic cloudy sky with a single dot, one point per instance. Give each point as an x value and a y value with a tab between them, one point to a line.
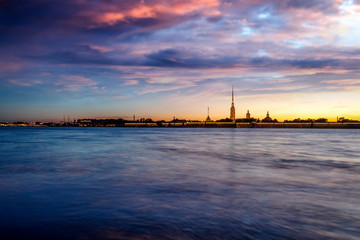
159	59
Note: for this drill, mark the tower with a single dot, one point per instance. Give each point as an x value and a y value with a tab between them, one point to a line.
248	115
208	119
232	109
267	115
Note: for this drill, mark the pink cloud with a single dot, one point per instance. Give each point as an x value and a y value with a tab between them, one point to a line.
10	66
163	88
163	80
208	6
343	82
113	15
103	49
120	97
130	82
25	83
74	83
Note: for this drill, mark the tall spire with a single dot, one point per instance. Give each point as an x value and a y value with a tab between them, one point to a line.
232	109
232	91
208	119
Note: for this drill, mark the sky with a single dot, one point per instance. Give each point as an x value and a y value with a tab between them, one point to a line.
162	59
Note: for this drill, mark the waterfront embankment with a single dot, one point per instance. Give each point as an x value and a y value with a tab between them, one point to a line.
245	125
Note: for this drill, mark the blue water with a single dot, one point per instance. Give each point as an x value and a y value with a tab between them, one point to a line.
168	183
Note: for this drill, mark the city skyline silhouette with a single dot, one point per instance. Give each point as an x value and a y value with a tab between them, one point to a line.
158	59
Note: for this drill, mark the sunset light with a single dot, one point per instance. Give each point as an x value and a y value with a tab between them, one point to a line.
160	59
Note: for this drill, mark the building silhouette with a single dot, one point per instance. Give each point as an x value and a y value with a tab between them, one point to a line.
267	118
232	109
208	119
248	115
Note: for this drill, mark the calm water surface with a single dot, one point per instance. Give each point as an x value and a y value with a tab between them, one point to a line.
154	183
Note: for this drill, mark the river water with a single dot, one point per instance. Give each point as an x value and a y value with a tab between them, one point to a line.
179	183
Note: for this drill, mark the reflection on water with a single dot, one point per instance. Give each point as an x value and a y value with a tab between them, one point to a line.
121	183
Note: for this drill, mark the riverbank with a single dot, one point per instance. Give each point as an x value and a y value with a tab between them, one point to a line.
245	125
351	125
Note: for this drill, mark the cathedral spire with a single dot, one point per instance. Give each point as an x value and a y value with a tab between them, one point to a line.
208	119
232	92
232	109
